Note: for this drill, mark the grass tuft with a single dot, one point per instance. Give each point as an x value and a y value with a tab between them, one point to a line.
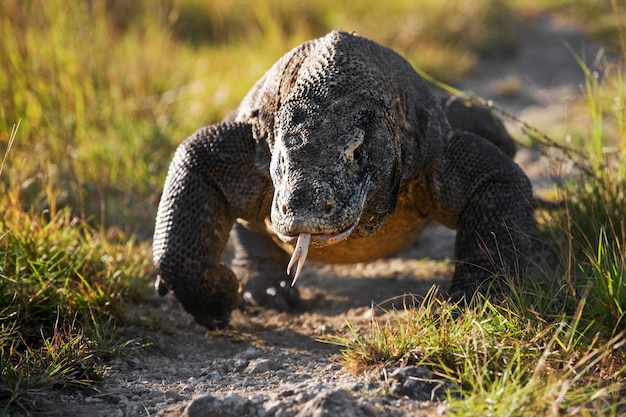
63	287
65	359
497	359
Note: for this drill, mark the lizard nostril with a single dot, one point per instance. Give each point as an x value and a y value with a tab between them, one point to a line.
329	207
283	208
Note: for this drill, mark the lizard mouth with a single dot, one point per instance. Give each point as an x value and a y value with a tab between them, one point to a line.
320	239
302	241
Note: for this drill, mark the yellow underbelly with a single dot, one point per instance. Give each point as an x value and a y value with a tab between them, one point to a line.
390	239
399	231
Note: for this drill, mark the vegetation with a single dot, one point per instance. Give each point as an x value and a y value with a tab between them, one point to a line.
62	290
102	91
504	360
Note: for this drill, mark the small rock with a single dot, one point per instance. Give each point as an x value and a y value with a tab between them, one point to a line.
172	395
273	407
240	364
369	387
286	393
335	403
302	397
261	365
325	328
231	406
155	393
416	382
249	353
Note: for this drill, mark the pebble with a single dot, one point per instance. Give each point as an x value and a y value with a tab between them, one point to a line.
249	353
172	395
189	388
212	406
415	382
239	364
155	393
337	402
261	365
214	376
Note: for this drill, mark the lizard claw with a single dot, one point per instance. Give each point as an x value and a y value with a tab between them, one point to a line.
299	255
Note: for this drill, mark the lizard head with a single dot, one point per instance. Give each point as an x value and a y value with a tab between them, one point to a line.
352	118
334	168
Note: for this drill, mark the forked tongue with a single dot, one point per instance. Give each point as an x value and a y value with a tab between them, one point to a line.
299	255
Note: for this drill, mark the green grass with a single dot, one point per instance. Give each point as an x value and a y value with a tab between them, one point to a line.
103	91
590	231
63	287
501	360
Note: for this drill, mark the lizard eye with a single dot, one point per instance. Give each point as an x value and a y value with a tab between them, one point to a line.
355	154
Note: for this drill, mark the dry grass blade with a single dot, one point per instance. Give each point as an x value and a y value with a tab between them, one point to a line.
11	139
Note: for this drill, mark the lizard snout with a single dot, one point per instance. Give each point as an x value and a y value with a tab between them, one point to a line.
306	209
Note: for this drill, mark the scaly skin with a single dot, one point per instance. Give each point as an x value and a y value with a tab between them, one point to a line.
341	146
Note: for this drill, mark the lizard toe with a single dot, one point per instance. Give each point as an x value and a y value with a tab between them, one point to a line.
280	296
277	295
266	286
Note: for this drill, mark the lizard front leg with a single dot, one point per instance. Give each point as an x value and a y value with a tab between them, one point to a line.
211	182
487	198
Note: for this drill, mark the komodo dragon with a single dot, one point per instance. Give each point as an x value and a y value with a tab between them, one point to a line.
340	146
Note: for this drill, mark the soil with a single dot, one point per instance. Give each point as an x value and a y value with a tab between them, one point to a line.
274	363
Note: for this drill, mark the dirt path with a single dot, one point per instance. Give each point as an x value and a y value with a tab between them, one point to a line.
272	364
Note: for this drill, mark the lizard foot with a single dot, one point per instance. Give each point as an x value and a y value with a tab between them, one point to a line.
208	296
263	290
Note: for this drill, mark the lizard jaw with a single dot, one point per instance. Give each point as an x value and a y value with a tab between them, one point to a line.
302	246
320	239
